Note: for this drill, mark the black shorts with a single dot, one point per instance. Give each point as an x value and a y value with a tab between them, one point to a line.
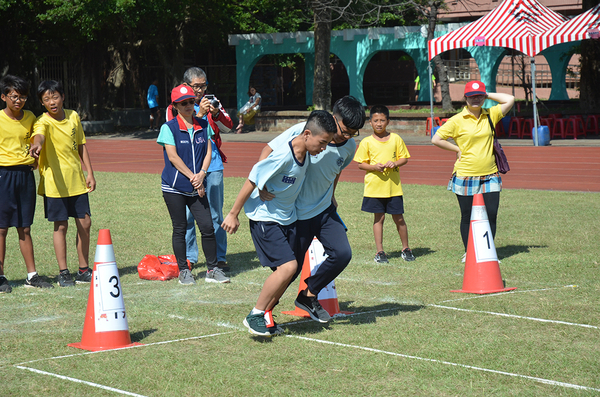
392	205
17	192
274	243
58	209
154	111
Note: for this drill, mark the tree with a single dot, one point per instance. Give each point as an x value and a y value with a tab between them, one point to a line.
590	69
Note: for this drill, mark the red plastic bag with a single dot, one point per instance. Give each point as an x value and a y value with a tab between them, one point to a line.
163	267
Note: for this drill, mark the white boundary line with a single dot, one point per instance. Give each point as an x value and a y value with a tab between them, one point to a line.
37	371
509	292
493	371
543	320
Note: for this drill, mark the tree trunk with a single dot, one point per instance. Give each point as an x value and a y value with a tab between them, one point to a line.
439	64
590	69
322	76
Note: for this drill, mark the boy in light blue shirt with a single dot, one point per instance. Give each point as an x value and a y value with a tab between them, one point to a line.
273	223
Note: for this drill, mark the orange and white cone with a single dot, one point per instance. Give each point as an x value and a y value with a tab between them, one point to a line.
482	271
105	326
328	295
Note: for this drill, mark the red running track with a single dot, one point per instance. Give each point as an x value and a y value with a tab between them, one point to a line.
544	168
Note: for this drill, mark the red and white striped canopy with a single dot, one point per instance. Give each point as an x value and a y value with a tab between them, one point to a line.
513	24
583	26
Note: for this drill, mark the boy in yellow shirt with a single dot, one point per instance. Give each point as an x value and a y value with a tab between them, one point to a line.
59	142
17	183
381	155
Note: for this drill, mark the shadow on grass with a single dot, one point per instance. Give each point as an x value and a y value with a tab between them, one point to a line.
417	252
510	250
360	315
141	335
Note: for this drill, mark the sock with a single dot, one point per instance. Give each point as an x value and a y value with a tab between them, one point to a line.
83	269
256	311
64	271
29	275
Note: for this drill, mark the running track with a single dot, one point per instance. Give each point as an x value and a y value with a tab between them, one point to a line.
544	168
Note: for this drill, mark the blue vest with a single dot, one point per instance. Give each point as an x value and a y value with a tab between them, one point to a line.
191	151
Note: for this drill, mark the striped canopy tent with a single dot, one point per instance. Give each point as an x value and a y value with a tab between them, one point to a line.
513	24
584	26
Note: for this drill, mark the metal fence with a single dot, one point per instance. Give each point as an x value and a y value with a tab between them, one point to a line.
59	69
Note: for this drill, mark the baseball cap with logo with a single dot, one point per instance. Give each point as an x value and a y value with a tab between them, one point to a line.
475	88
181	93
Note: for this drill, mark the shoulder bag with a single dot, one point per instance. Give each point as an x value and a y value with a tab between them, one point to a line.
501	161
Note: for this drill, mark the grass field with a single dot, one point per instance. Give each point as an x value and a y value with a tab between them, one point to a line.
409	335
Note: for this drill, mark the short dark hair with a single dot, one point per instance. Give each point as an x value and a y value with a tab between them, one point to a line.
351	111
10	82
381	109
319	122
193	73
50	86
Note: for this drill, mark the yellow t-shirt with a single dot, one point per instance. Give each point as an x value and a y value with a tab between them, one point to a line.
61	174
384	184
474	139
14	139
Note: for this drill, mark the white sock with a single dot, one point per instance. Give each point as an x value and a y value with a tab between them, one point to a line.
256	311
29	275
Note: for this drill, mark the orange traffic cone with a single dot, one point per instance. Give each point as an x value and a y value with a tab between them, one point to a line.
482	272
105	326
328	295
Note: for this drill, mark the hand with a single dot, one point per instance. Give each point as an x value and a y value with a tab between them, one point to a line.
390	164
197	180
379	167
230	224
458	155
201	191
90	182
35	150
265	195
204	107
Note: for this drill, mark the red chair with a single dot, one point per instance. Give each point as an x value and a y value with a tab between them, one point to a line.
559	128
591	124
443	121
428	125
514	128
575	127
548	122
500	130
526	129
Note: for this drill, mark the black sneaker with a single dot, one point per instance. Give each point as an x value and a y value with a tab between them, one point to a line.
271	325
37	282
311	305
65	279
381	257
5	287
407	255
256	324
84	277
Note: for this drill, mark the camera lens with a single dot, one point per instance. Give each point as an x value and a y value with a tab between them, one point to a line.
214	103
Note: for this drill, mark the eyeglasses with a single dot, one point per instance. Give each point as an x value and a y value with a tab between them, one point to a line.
199	87
17	98
346	133
186	103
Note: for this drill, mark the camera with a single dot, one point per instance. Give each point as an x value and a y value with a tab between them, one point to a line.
213	101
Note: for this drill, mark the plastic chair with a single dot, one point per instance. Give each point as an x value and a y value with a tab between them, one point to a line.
548	122
559	128
591	124
428	125
443	121
500	129
526	129
514	128
575	127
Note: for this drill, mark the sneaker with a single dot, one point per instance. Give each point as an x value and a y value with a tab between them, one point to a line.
223	265
311	305
37	282
84	277
186	278
216	275
65	279
5	287
381	257
256	324
407	255
271	325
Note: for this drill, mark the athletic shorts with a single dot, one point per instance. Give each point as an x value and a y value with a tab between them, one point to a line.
17	196
377	205
274	243
153	111
58	209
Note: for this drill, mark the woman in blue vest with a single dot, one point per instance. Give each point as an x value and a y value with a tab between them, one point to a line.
187	153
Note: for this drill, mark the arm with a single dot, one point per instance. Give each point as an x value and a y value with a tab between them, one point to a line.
264	194
231	222
506	101
90	181
36	146
439	142
200	176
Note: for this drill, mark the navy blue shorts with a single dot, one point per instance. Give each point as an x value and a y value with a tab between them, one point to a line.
58	209
376	205
274	243
17	189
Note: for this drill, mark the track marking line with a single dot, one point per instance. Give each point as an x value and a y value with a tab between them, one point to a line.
493	371
509	292
37	371
543	320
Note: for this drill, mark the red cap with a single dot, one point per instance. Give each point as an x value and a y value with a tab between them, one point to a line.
475	88
181	93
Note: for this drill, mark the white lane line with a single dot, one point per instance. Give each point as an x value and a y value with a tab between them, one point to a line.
37	371
493	371
509	292
543	320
